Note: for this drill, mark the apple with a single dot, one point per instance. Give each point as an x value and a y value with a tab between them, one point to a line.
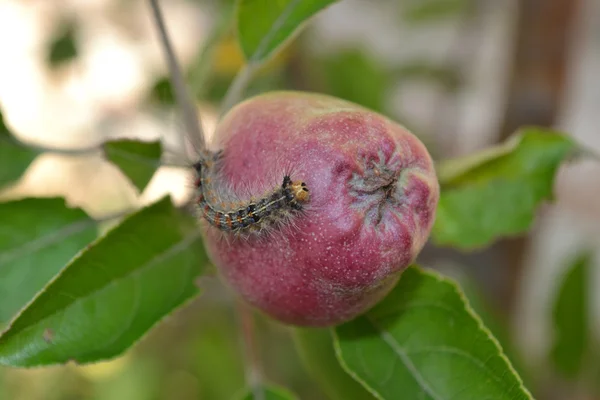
373	196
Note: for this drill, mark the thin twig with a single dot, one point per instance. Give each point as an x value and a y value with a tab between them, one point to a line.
237	87
191	118
115	215
251	356
588	152
56	150
84	151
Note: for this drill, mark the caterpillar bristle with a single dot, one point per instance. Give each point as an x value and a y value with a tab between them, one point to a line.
259	216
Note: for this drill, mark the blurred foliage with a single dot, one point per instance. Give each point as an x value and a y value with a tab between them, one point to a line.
421	11
162	93
14	156
63	48
426	71
353	76
212	72
570	317
267	393
318	354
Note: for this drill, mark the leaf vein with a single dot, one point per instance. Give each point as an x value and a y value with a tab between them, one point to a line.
46	240
277	24
402	354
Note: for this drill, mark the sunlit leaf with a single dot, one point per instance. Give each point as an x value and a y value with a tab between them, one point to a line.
423	341
37	238
137	160
265	25
14	157
112	293
496	193
570	317
316	349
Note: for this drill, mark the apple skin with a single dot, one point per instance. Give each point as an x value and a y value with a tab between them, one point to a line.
373	196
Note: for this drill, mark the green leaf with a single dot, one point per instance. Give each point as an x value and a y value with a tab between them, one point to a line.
137	160
352	76
62	48
162	92
495	193
37	238
14	157
265	25
215	354
111	294
269	392
423	341
497	325
317	352
570	316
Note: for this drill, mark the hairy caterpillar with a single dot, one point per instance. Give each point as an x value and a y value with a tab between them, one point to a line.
271	209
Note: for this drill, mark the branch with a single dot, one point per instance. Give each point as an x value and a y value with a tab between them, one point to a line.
191	118
251	356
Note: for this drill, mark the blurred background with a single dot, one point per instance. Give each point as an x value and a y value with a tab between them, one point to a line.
461	74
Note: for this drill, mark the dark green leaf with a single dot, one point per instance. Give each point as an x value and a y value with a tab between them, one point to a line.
162	92
14	157
495	193
38	237
423	341
112	293
137	160
316	349
62	48
267	393
265	25
570	317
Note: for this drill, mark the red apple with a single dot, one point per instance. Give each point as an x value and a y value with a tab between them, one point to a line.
373	196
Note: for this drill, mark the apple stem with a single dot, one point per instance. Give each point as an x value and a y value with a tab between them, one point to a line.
252	362
236	90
